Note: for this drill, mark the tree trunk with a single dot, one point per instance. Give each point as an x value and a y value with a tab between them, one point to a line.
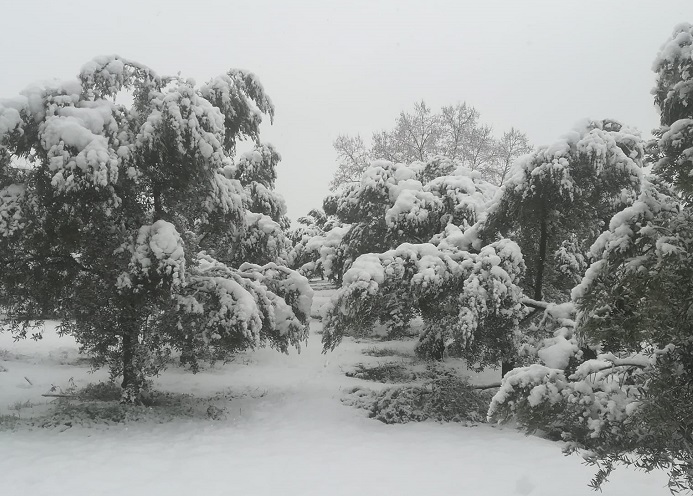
187	353
507	367
132	384
158	208
541	260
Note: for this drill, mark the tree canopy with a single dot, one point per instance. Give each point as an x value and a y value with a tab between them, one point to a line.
134	225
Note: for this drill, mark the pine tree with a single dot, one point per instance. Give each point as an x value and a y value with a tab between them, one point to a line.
134	226
394	205
630	403
559	199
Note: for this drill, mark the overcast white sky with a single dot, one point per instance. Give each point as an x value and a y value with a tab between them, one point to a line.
352	66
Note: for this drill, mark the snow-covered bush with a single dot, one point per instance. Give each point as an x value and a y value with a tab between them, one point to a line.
134	224
395	204
444	399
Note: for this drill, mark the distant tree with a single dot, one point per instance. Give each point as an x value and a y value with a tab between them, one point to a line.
353	158
311	249
480	150
457	122
454	133
134	226
512	145
414	138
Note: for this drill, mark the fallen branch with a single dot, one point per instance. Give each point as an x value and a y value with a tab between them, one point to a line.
54	395
488	386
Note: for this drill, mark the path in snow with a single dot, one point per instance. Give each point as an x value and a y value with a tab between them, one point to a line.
285	433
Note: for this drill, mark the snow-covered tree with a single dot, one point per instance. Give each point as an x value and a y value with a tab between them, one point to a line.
353	159
389	210
559	198
313	244
134	225
628	402
554	204
674	98
470	302
631	403
398	203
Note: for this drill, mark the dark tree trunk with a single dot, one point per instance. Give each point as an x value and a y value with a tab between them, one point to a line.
132	385
541	260
507	367
187	353
158	207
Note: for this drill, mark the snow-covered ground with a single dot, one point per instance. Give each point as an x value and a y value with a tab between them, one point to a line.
282	431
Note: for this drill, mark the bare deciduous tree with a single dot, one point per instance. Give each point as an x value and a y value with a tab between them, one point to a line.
455	132
353	159
509	148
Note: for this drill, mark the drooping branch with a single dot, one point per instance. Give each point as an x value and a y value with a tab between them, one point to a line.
53	260
622	363
539	305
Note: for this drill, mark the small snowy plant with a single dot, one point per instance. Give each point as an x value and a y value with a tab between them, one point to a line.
134	225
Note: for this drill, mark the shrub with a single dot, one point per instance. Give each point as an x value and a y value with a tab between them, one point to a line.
445	399
385	372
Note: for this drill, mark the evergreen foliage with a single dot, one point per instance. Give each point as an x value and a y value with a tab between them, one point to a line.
135	227
630	403
559	198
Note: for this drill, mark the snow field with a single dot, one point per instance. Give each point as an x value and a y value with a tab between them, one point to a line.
284	432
